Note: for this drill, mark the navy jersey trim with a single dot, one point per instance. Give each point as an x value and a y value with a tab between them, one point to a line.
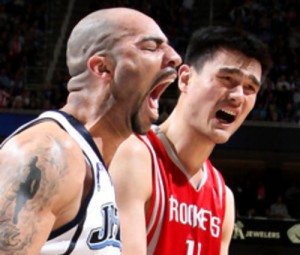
75	237
80	215
82	130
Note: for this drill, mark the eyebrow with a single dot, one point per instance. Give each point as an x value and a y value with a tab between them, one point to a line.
158	40
240	73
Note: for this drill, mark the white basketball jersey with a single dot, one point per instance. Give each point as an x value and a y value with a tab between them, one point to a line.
95	229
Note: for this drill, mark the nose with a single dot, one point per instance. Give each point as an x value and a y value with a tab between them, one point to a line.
172	58
236	94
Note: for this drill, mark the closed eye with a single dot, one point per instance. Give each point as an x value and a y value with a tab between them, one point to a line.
227	78
150	43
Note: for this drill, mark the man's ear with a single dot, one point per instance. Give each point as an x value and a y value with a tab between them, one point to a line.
99	66
184	73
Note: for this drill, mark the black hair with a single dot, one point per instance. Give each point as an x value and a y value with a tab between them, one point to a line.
205	42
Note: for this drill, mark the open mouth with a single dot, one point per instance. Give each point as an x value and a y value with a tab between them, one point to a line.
225	116
159	89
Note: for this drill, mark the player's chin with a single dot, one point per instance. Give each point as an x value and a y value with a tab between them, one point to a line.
143	126
141	129
143	122
220	136
145	117
221	140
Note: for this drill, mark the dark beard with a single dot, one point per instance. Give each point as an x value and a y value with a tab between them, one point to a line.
136	124
135	121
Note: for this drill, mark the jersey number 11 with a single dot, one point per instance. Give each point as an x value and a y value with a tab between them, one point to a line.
191	248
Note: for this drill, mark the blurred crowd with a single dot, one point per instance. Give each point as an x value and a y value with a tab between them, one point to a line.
22	28
277	23
273	196
23	25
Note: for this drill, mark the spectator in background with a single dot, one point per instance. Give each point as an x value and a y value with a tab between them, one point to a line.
283	83
17	103
289	113
296	103
292	198
261	203
279	209
260	112
5	81
274	113
4	97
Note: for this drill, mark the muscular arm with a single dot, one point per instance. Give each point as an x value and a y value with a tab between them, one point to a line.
31	172
131	173
228	222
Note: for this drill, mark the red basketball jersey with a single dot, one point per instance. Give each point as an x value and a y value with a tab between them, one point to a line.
182	219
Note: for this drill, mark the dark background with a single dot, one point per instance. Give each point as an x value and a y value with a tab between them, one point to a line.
266	148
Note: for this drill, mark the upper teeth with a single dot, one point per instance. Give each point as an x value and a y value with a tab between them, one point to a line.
229	112
170	80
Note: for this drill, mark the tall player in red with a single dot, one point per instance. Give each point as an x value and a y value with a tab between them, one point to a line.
171	199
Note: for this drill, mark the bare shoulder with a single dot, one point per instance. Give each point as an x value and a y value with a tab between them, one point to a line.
34	172
132	155
44	155
132	146
131	167
34	149
229	195
46	146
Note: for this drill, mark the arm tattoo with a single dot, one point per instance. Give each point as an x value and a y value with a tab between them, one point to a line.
22	200
28	188
10	240
10	234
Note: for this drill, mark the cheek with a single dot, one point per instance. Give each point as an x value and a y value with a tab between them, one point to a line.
204	100
198	105
126	79
249	103
125	71
135	72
